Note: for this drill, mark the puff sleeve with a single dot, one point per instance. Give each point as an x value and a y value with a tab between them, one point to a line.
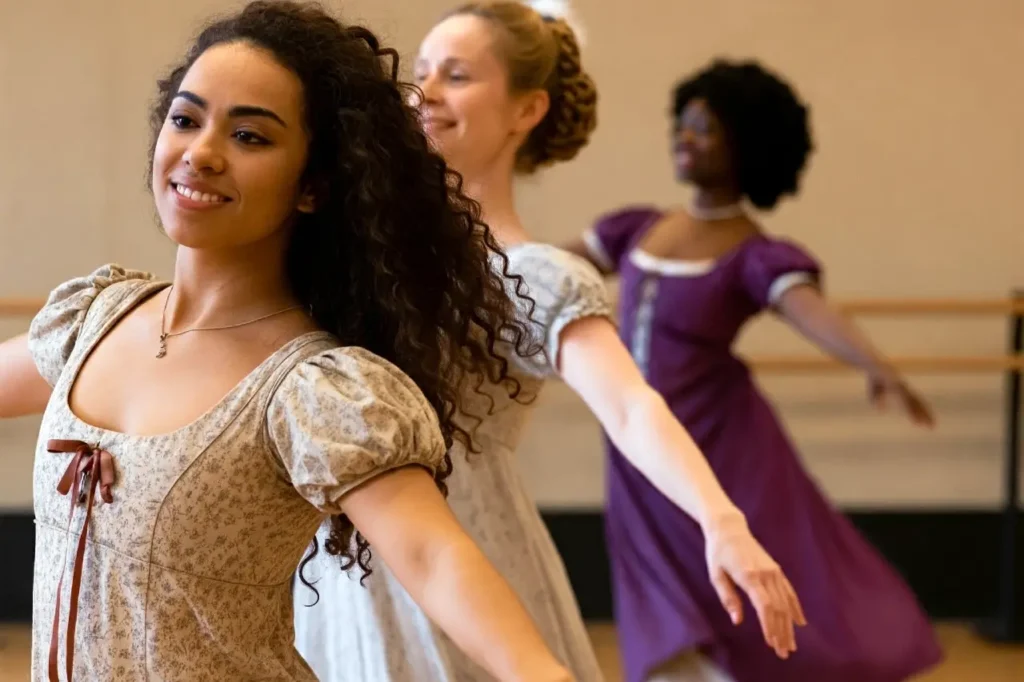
344	416
613	235
565	288
772	267
56	328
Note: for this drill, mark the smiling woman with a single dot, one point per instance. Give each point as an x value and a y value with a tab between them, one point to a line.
214	121
504	91
196	192
691	281
305	363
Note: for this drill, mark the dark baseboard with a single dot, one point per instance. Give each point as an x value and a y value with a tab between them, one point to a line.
949	558
18	547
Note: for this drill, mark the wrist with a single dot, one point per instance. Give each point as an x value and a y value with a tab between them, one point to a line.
883	371
723	522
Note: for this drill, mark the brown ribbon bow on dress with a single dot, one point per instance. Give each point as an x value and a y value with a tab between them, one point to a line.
90	467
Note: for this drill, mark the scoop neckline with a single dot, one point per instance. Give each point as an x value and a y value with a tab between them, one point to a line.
143	294
687	267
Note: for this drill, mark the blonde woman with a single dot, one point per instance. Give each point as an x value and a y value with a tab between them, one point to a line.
504	94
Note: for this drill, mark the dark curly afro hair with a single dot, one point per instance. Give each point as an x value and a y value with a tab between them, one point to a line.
765	123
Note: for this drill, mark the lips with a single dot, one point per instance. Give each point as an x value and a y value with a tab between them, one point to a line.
438	124
198	195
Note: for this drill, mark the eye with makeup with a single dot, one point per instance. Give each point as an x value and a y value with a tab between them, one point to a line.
248	137
183	121
447	73
456	73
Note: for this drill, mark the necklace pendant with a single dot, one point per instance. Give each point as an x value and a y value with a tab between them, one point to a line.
163	346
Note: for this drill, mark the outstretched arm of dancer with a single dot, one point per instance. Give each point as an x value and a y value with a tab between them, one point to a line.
639	422
22	390
808	312
413	531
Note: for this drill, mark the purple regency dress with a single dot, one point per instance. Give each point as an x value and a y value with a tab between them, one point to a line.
680	318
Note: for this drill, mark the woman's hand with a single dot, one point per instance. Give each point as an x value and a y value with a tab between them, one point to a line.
886	382
736	559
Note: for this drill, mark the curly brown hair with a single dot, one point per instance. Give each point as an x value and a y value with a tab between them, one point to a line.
395	259
542	53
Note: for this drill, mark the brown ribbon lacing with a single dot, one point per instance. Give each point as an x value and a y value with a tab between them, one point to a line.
90	467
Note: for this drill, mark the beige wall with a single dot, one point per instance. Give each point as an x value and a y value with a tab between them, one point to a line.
917	110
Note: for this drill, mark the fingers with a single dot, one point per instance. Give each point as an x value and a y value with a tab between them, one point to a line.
786	636
924	418
778	609
918	409
728	595
795	606
877	396
769	615
923	414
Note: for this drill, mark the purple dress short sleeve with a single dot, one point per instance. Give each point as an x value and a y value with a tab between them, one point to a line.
614	234
773	266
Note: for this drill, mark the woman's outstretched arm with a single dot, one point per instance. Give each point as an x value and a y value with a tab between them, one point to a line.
595	363
411	528
807	311
22	390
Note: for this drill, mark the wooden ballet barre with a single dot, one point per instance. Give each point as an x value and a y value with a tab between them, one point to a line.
792	364
931	306
26	307
20	307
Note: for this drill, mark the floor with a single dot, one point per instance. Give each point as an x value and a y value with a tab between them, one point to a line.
970	660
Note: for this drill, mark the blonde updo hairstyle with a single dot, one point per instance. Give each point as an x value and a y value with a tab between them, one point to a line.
542	53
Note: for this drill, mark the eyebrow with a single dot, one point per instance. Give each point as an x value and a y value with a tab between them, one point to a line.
447	62
239	111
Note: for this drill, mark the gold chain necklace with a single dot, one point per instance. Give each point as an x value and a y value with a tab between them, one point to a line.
164	335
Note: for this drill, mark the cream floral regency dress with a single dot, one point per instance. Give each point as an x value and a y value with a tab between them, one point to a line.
184	563
376	633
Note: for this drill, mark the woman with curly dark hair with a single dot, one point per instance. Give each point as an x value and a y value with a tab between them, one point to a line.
690	280
332	294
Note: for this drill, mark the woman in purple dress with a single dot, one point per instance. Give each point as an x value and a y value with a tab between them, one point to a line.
690	280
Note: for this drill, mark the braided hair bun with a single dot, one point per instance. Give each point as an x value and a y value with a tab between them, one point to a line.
543	53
